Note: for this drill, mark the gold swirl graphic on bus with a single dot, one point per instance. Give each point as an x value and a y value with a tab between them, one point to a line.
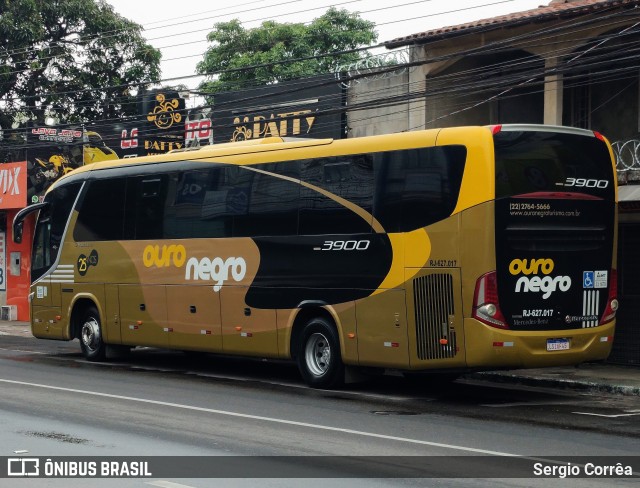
416	242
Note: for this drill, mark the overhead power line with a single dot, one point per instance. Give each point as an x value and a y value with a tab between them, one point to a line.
493	49
483	49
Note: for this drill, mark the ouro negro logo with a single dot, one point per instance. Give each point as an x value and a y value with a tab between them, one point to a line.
215	269
545	284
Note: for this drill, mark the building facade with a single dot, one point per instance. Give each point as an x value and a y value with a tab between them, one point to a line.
573	63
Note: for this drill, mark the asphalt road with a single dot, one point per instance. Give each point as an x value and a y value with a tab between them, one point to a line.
165	403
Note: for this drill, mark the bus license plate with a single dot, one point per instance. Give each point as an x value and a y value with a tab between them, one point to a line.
557	344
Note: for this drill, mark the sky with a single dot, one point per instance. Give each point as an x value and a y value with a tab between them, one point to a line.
179	29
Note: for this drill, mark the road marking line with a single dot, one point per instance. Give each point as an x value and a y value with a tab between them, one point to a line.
608	416
262	418
527	404
166	484
283	421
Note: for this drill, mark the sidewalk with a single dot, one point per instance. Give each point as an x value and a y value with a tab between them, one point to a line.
596	377
15	328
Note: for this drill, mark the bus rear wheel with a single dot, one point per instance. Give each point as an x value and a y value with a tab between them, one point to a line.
91	342
319	358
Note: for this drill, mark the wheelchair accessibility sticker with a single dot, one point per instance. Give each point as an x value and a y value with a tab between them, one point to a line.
594	279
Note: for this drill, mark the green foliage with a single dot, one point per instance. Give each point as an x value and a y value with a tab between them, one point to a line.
242	56
62	56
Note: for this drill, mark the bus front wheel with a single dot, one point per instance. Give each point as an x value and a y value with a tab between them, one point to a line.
91	343
319	358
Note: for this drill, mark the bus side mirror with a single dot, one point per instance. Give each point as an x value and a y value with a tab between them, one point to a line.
17	231
18	220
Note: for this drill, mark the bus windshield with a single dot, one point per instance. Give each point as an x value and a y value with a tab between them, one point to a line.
50	227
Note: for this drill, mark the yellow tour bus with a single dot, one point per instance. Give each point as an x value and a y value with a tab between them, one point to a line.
449	249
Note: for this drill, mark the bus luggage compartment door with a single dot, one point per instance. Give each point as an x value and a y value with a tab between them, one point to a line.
194	318
246	330
434	310
382	330
143	315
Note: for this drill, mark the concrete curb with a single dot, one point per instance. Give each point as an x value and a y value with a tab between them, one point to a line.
557	383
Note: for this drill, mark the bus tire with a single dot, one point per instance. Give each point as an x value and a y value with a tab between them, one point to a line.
91	342
319	358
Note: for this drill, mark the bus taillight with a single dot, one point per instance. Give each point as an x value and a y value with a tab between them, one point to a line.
612	302
486	307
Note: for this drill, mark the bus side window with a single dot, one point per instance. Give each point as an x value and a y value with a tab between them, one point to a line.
145	206
273	206
417	187
195	205
101	211
254	203
346	177
62	200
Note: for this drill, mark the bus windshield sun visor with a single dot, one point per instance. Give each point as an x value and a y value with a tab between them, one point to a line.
18	220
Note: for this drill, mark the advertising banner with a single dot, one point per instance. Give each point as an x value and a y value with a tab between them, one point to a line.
301	108
51	153
158	129
13	185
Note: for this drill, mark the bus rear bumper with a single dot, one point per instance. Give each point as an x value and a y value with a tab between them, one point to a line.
491	347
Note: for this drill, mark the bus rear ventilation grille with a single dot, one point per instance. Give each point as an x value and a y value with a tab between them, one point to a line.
433	301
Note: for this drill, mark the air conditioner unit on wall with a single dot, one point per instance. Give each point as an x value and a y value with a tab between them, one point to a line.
8	312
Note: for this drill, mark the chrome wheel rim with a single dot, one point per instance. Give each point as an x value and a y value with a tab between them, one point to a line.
91	334
318	354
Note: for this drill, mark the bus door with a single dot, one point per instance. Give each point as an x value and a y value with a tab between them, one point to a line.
194	318
434	308
143	315
45	295
48	272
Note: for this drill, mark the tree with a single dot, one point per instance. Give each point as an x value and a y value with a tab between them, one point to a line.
282	51
72	59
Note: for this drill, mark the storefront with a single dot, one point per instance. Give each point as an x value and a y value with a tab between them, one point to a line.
36	156
14	258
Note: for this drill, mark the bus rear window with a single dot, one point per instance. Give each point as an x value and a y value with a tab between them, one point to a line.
530	162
